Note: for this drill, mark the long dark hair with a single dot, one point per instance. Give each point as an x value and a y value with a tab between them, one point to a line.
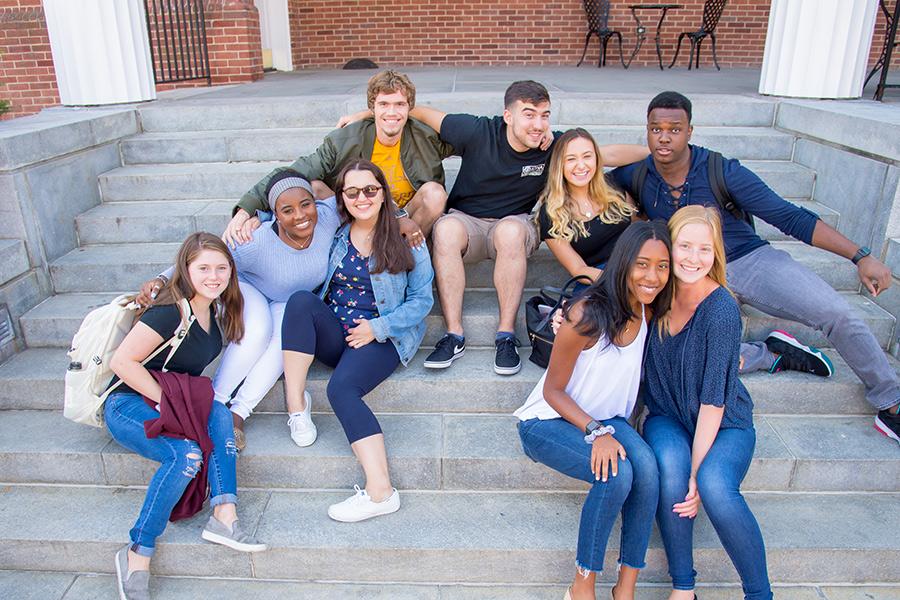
606	307
389	249
230	305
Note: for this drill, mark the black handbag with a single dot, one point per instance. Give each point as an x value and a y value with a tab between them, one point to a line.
539	313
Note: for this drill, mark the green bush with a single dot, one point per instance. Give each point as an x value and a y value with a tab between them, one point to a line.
4	106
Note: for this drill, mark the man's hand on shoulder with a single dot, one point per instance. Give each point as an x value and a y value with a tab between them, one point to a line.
353	118
239	229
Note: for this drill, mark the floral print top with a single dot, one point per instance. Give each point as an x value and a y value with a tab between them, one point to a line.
350	294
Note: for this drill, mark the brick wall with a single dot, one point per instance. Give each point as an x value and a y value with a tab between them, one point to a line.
497	32
27	78
296	15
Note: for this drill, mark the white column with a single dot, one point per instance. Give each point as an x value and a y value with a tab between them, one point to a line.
275	32
101	51
817	48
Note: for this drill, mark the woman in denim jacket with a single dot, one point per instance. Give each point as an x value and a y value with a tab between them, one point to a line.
368	318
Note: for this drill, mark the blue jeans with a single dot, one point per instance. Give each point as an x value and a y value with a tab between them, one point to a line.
718	482
633	492
125	415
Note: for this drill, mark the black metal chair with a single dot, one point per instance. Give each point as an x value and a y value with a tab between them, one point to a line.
712	12
887	50
598	20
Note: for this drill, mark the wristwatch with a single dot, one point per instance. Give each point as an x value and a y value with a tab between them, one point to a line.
863	252
591	426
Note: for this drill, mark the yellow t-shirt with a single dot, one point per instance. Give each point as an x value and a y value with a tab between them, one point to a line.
388	159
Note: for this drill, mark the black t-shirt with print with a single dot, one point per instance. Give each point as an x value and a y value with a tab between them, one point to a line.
595	249
196	351
494	180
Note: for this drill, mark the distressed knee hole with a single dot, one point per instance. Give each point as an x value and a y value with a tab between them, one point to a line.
191	470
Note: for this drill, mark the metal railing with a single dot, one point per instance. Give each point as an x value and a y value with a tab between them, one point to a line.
177	32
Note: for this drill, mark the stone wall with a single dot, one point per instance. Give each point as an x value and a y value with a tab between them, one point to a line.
49	166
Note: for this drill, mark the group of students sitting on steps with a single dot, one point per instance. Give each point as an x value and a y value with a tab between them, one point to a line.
329	259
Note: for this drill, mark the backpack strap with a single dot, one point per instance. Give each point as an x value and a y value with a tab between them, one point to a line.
187	319
638	177
716	167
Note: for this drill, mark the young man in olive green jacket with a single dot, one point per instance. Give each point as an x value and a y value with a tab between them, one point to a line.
408	151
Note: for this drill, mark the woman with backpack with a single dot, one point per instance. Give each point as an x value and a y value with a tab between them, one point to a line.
368	318
167	397
575	419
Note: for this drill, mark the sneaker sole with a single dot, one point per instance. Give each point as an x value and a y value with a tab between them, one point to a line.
507	370
883	429
790	340
120	577
215	538
364	518
433	364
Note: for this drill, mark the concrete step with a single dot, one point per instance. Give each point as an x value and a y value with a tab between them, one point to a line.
569	109
166	221
34	585
33	380
13	259
139	221
215	180
124	266
440	452
437	537
287	144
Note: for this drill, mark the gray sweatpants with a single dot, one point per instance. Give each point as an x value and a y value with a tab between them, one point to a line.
773	282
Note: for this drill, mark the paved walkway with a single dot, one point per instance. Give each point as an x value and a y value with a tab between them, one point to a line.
645	80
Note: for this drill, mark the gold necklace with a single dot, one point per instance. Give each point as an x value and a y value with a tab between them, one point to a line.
302	245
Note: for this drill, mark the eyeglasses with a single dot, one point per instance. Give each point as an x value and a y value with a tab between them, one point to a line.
370	191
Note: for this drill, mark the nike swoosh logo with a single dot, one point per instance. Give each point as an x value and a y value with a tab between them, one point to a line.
458	349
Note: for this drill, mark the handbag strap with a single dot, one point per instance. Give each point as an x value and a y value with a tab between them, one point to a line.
562	294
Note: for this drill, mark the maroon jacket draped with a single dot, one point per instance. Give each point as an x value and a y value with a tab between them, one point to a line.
184	411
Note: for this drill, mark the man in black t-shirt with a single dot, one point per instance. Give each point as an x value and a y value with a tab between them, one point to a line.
504	168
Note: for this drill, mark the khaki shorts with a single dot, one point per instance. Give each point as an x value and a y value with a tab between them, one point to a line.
481	234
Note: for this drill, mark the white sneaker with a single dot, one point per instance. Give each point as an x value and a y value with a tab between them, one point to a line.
360	507
303	430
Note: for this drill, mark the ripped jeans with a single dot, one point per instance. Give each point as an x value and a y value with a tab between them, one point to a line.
179	462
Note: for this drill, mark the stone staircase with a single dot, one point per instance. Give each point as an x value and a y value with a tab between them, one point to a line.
477	515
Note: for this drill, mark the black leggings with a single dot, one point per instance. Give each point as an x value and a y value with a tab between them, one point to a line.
311	327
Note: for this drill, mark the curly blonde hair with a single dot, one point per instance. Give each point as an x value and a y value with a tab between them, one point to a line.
388	82
561	208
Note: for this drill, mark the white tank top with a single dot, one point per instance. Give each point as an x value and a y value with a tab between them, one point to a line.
604	382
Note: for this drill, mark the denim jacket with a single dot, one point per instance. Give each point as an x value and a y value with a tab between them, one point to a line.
404	299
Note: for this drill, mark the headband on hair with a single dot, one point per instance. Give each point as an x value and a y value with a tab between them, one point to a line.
283	185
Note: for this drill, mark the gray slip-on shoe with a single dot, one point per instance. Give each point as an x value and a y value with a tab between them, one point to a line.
131	587
233	537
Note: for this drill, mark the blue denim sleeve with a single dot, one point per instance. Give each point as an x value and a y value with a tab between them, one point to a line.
722	340
415	306
754	196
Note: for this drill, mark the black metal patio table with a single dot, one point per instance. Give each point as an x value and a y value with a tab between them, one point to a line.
642	31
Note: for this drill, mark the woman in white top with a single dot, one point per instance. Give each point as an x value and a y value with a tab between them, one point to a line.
575	419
